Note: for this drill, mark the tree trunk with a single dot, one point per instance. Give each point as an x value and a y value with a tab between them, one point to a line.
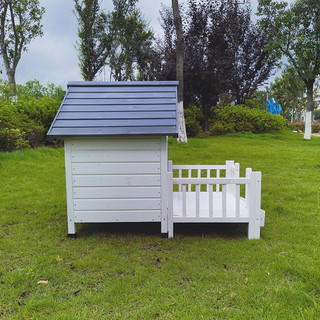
206	117
9	71
11	78
182	137
309	113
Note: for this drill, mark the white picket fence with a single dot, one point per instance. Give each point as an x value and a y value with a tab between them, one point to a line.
214	194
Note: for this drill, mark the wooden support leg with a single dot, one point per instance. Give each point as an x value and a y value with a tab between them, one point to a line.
71	228
254	205
170	205
164	187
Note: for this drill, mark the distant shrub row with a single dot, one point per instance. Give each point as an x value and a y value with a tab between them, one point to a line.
300	126
25	116
231	119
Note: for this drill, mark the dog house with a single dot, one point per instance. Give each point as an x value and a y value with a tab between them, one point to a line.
117	169
116	152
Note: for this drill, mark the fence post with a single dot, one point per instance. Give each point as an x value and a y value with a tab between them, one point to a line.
236	170
229	167
248	172
230	173
170	205
254	204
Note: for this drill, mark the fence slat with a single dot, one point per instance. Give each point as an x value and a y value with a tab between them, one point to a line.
184	200
194	181
170	203
237	196
197	200
189	176
224	200
248	171
180	176
218	176
210	186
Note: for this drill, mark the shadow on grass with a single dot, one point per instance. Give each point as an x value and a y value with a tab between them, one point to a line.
220	230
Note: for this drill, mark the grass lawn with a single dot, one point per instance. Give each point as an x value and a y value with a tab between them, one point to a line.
128	272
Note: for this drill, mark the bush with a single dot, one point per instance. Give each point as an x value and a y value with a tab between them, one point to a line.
26	118
301	125
240	118
316	114
218	128
12	139
193	118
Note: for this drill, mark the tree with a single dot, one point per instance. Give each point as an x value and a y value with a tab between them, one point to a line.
20	22
294	33
223	53
182	137
95	40
288	90
131	54
250	64
119	39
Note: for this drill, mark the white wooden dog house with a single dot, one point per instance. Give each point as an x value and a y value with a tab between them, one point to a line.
117	169
116	150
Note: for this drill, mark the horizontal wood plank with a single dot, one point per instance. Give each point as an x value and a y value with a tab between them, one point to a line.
122	89
115	192
115	168
116	204
209	181
119	156
122	101
91	123
117	216
181	219
115	144
115	180
117	108
115	115
146	84
113	131
198	167
120	95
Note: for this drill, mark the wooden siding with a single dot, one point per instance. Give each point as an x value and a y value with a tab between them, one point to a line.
116	179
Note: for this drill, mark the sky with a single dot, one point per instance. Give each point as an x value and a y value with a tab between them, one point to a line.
53	58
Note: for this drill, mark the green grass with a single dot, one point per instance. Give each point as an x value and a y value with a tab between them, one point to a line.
128	272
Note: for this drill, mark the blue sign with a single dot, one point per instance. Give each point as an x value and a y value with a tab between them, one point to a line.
273	108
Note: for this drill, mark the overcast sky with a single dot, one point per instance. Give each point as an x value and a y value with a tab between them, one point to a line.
53	57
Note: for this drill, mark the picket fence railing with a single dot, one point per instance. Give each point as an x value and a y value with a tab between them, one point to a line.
214	193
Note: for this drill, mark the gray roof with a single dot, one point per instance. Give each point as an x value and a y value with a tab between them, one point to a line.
92	109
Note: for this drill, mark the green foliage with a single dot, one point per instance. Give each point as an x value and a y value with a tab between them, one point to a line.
131	50
12	139
20	23
301	125
31	89
25	119
121	39
316	114
289	92
257	99
240	118
95	40
193	119
294	34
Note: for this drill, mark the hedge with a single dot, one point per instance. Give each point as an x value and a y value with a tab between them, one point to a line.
239	118
26	117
